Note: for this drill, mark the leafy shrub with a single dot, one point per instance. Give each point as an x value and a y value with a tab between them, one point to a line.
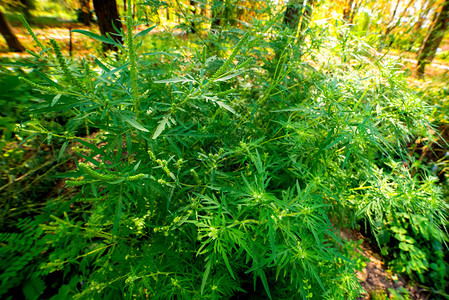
12	91
208	182
407	216
26	164
20	253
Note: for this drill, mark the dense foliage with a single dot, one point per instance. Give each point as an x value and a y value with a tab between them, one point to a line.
212	173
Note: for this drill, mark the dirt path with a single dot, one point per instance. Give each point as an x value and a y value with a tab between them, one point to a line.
375	278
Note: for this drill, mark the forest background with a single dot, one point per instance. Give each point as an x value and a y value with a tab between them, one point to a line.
275	149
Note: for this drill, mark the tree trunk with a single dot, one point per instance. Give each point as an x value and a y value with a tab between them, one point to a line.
347	11
423	12
84	15
14	44
292	15
193	4
433	39
27	5
203	7
354	10
306	16
107	13
388	28
392	24
295	14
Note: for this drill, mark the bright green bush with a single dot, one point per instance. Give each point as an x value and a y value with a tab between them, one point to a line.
208	182
408	216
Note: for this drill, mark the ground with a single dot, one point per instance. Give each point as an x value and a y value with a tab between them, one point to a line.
376	279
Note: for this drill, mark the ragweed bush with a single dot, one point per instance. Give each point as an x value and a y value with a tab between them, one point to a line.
212	182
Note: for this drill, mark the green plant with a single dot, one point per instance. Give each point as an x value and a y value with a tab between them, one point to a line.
26	165
208	182
378	295
19	252
407	215
352	250
12	91
399	294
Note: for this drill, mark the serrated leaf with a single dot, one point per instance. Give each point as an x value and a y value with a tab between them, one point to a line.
162	123
224	78
227	107
33	288
257	162
134	124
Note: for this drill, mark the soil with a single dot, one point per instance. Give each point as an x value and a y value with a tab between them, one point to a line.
376	279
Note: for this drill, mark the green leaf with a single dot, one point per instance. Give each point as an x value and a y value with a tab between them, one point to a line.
403	246
272	238
162	123
228	266
136	165
101	65
55	100
112	72
27	139
61	152
33	288
95	36
257	162
92	147
224	78
174	80
206	274
144	32
45	77
227	107
118	214
262	276
134	123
